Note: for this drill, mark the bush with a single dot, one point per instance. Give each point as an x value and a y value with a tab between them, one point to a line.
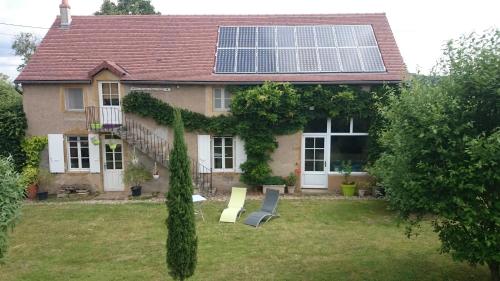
11	196
136	174
274	180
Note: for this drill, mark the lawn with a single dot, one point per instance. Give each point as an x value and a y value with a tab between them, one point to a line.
313	240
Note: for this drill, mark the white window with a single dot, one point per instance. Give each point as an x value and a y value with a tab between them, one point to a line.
78	153
347	139
110	94
222	153
74	99
222	99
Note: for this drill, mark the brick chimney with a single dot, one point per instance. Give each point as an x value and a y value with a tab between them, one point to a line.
64	8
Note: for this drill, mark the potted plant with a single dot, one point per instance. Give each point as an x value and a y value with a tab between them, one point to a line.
274	182
290	182
156	172
96	126
29	178
95	140
135	175
348	187
45	179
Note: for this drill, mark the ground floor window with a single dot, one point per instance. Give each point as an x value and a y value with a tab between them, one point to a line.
222	153
345	138
78	153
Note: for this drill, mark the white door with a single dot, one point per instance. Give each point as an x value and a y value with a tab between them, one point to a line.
110	103
113	164
314	164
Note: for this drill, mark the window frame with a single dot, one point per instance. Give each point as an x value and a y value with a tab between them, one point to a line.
79	156
351	133
223	146
66	99
224	96
101	93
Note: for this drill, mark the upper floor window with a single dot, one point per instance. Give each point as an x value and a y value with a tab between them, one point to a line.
110	94
222	99
73	99
78	153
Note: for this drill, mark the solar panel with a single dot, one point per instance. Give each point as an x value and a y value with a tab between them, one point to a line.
297	49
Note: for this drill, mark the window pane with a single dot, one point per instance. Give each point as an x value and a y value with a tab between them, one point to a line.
218	103
309	155
217	93
348	148
320	143
74	99
228	151
72	138
218	163
246	37
118	165
227	103
74	163
73	152
217	141
309	165
109	165
105	89
319	166
360	125
315	126
217	152
109	156
228	141
85	163
229	163
319	154
84	152
309	142
341	125
114	89
246	60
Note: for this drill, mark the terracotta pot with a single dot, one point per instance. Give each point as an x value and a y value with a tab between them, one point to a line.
31	191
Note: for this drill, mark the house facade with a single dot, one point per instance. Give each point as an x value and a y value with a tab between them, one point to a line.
75	83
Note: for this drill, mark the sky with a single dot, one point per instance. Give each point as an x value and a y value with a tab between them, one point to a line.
420	27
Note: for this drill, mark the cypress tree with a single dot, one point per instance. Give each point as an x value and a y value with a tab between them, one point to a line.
182	241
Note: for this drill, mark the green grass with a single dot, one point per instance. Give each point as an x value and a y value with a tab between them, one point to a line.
313	240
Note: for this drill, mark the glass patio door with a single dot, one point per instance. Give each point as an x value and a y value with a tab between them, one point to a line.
314	165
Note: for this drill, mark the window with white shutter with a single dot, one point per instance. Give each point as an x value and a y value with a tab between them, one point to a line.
56	153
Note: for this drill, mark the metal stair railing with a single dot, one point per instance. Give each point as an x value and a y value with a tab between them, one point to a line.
112	120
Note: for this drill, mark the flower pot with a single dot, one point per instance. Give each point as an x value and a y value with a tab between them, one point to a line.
136	191
42	195
291	189
280	188
156	176
362	192
96	126
95	141
348	189
31	191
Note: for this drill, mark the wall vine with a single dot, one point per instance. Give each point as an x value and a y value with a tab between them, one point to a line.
260	113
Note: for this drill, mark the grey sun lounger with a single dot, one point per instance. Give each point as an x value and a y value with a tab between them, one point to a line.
267	211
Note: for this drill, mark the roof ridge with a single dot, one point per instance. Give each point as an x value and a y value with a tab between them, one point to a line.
236	15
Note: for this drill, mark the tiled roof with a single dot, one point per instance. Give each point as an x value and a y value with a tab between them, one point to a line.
181	49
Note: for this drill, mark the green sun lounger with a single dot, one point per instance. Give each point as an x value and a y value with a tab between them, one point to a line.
235	206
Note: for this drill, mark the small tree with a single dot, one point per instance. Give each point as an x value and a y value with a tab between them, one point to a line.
24	45
127	7
11	196
442	151
182	241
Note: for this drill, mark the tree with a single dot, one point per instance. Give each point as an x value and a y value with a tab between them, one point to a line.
4	77
127	7
182	241
442	151
11	197
25	45
12	124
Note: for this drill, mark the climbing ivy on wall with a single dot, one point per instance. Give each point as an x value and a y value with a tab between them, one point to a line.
260	113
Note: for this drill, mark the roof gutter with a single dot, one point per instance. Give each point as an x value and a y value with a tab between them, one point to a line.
53	81
170	82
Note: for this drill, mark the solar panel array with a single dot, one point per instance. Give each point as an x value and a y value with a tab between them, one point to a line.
297	49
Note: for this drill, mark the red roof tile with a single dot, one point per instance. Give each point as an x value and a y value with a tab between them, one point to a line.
181	49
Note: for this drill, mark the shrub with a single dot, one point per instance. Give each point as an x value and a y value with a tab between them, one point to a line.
136	174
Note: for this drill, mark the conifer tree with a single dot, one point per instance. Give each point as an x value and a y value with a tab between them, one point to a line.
182	241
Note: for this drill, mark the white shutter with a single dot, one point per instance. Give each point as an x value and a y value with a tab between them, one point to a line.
94	157
56	153
204	160
240	154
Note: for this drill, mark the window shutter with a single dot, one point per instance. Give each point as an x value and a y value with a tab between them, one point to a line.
204	159
94	157
56	153
241	156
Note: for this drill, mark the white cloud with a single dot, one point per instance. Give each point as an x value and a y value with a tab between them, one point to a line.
420	27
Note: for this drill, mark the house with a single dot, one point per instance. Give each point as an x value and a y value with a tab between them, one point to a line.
75	82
